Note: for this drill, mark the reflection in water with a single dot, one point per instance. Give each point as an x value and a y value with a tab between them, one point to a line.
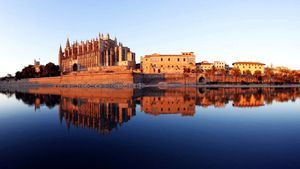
98	114
50	100
175	101
105	109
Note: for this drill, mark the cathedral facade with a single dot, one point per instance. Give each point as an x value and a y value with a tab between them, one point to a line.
95	55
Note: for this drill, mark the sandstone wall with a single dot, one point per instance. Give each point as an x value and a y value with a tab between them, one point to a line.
176	78
87	78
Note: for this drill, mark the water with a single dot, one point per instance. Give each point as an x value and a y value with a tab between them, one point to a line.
150	128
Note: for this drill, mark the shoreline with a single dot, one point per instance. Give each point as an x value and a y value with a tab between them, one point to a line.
27	85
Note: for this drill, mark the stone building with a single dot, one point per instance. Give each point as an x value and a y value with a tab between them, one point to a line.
95	55
169	63
250	66
37	66
205	66
219	65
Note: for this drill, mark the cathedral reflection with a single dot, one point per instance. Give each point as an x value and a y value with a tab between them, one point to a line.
101	116
104	110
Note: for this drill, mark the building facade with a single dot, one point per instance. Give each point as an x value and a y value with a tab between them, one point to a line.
37	66
251	67
218	65
94	55
158	63
205	66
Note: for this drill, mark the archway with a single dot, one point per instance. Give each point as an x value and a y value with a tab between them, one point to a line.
75	67
201	80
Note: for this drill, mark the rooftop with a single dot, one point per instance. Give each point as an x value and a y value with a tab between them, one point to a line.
171	55
249	63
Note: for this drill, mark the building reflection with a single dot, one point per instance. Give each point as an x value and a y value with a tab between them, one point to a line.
100	115
101	110
172	101
104	110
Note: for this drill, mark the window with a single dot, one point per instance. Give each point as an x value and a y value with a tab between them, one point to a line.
161	59
184	59
169	59
178	59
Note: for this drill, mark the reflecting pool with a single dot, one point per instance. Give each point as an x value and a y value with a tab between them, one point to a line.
150	128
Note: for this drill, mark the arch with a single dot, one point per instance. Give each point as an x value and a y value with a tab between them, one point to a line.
75	67
202	80
201	90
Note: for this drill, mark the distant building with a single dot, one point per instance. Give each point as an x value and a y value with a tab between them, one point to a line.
253	67
37	66
158	63
280	70
218	65
205	66
94	55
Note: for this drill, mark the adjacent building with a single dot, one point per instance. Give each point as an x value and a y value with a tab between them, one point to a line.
205	66
169	63
280	70
95	54
251	67
37	66
219	65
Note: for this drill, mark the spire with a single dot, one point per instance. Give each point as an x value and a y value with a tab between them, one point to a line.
107	36
60	55
116	41
60	49
68	43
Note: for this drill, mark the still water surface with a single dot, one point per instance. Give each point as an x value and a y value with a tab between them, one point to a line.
150	128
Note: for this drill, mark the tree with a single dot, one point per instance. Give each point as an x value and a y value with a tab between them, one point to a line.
235	72
8	77
290	78
28	72
50	70
248	72
269	72
18	75
257	73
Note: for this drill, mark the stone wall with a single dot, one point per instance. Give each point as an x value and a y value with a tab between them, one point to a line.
118	78
87	78
175	78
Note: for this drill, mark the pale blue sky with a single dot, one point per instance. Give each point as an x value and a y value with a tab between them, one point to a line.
228	30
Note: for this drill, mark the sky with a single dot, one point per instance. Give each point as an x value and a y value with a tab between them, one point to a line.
225	30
